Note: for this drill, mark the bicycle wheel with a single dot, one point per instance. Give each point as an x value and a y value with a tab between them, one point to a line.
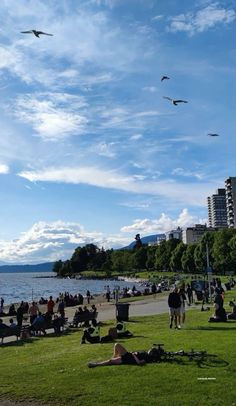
213	361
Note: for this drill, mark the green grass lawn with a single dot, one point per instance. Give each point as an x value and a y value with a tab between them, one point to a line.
54	369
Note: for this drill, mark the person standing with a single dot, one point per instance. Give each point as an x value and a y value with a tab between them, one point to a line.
61	308
108	293
19	314
1	305
88	294
190	294
174	304
182	306
33	311
50	305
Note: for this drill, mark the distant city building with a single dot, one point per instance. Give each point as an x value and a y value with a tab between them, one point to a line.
217	213
174	234
230	191
193	234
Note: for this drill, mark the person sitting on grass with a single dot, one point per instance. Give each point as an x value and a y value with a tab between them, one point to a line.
232	316
121	329
121	356
91	333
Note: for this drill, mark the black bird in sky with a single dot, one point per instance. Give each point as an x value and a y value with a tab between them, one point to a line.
174	101
213	135
36	33
164	78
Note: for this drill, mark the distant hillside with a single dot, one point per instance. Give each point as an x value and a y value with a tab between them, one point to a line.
146	240
45	267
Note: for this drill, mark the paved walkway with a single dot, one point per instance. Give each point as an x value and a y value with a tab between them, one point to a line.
146	307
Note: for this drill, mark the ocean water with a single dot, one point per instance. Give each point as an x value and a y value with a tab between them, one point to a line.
29	286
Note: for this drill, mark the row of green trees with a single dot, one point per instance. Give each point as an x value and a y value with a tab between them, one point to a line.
171	255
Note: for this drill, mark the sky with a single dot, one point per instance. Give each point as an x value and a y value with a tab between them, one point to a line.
90	151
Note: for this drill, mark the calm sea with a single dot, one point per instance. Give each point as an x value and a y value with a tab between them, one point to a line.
15	287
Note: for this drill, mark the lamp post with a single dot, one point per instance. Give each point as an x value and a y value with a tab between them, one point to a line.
209	270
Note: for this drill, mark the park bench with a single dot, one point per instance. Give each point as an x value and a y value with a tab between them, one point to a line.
57	325
10	332
83	318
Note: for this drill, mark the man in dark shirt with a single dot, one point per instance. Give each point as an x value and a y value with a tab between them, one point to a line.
3	325
174	304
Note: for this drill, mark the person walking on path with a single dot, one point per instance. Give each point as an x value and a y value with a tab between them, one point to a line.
174	304
33	312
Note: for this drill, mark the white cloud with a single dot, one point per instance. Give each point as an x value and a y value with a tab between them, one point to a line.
189	193
53	116
45	242
186	173
4	169
202	20
105	149
136	137
163	224
157	17
151	89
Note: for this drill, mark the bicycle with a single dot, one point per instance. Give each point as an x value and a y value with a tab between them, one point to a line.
201	357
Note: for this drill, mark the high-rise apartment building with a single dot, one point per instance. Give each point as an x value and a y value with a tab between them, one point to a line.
217	213
230	194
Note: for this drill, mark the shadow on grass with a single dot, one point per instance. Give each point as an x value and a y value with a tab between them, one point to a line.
19	343
212	328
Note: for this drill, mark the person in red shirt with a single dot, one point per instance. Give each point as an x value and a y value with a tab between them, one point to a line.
50	305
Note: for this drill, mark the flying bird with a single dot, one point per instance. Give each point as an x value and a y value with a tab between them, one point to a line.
213	135
164	78
36	33
174	101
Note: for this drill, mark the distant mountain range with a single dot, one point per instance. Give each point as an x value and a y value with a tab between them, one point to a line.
45	267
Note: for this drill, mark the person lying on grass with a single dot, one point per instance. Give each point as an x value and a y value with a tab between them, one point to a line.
121	356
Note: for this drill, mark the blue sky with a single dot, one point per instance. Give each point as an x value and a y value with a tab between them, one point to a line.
89	149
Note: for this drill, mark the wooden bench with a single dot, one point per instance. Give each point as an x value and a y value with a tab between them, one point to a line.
83	318
57	325
10	332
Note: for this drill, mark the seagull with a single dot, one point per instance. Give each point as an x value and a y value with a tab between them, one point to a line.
36	33
164	77
213	135
173	101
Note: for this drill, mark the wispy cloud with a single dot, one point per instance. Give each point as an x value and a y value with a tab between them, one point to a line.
136	137
151	89
187	173
158	17
53	116
111	179
202	20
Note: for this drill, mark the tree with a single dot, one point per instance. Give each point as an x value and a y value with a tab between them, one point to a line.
200	252
57	266
140	258
138	243
151	252
176	257
222	251
79	260
232	245
187	261
164	252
